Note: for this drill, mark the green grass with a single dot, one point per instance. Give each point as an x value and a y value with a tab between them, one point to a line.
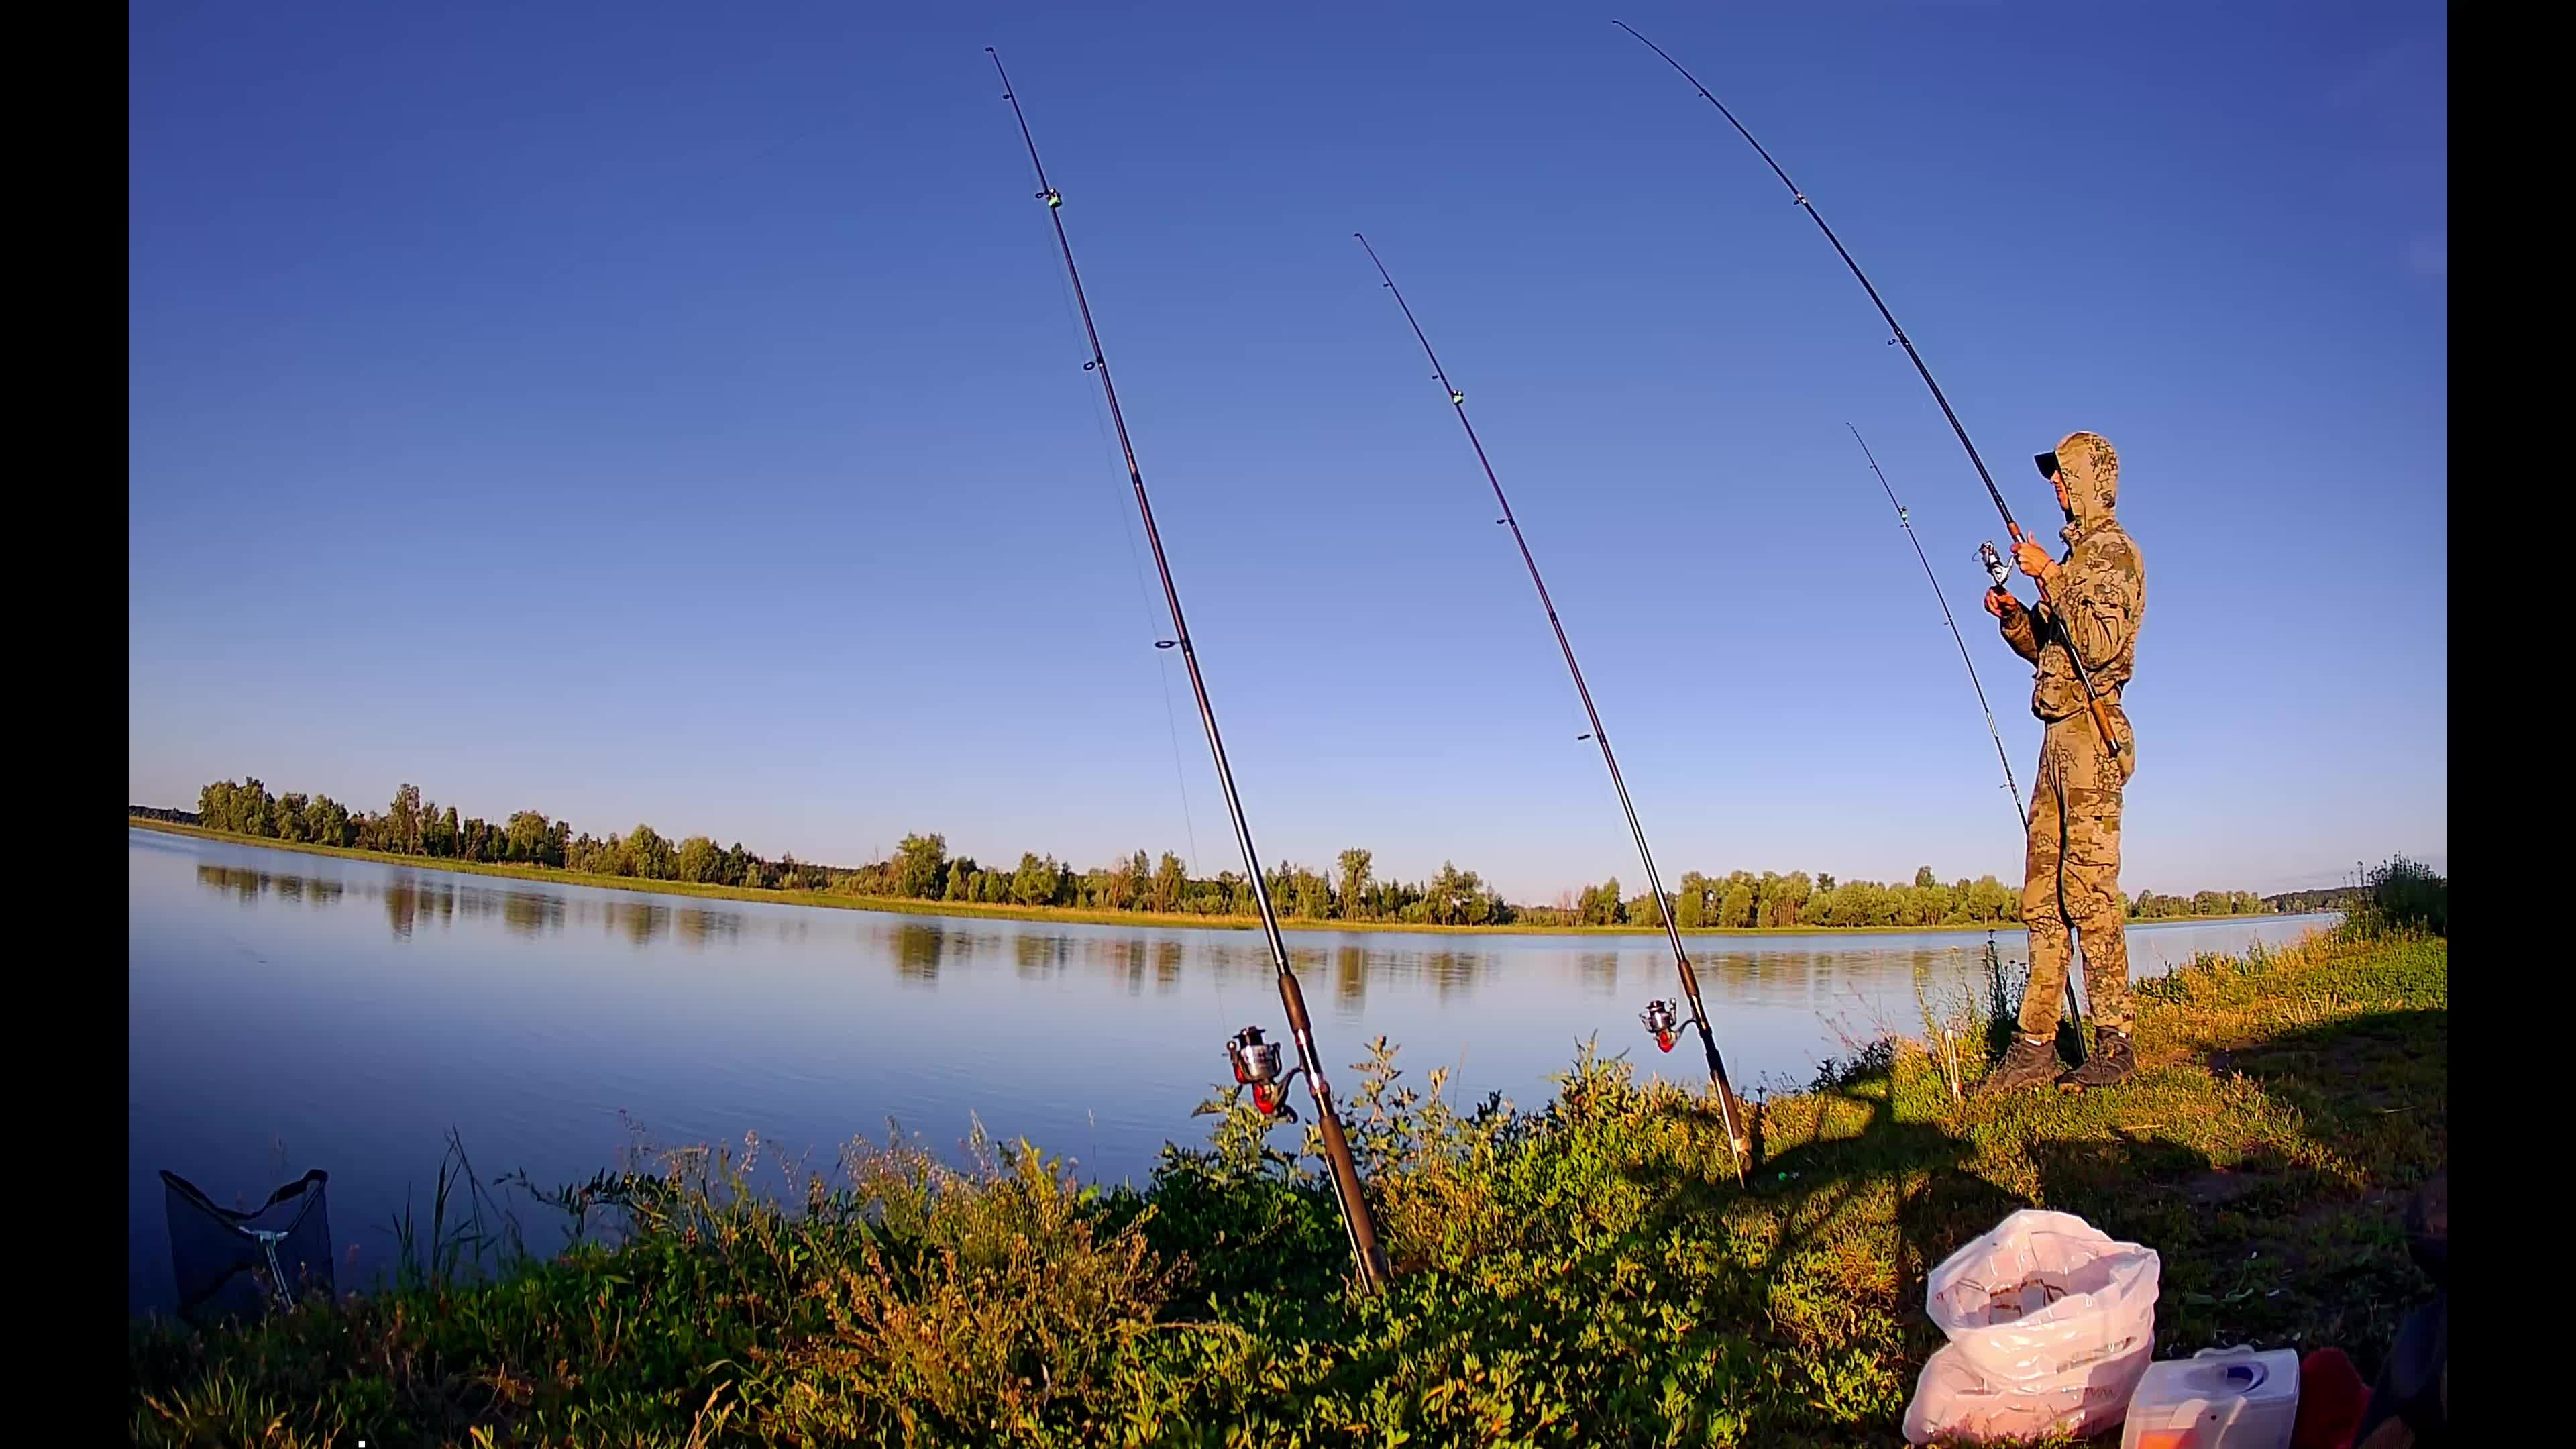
1147	920
1587	1275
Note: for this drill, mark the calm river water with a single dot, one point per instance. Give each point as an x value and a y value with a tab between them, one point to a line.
288	1011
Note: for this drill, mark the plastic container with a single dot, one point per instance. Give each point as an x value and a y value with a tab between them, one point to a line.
2219	1398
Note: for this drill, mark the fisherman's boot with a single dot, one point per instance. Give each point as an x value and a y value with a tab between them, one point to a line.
2108	1066
2026	1064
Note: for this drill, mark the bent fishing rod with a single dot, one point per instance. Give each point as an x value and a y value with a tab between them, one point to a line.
1659	1016
1255	1061
2047	612
2012	787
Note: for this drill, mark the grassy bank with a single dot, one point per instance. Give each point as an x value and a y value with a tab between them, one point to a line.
1587	1275
898	905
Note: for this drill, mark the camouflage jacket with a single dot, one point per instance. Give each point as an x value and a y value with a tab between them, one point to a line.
2101	593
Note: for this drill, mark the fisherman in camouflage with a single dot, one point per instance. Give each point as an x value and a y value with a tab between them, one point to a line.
2099	595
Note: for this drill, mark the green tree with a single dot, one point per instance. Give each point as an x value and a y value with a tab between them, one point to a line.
254	811
1033	884
530	837
1314	896
699	861
327	821
1690	903
1353	893
650	856
1923	876
402	821
921	863
1987	899
1737	908
1171	884
1790	898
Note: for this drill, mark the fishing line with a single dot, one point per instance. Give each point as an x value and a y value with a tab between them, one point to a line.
1144	597
2011	786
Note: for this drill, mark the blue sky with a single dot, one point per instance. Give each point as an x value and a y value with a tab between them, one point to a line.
641	413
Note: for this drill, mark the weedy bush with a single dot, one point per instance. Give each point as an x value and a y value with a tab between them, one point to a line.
2404	896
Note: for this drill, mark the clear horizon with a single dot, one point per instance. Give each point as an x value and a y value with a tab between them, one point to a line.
641	416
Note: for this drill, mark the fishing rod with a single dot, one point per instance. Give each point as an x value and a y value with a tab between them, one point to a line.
1659	1016
2047	611
2011	786
1255	1062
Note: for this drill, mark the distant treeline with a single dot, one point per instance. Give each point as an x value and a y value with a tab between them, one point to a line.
922	869
2332	898
1743	900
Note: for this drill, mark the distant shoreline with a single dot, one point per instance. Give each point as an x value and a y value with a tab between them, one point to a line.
1146	920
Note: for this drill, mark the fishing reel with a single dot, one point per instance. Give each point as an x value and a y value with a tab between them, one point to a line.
1995	567
1663	1023
1256	1065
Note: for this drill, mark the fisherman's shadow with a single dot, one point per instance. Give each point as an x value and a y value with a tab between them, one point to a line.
1823	1153
1828	1151
2372	1088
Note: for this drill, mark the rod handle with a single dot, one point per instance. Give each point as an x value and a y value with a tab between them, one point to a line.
2102	722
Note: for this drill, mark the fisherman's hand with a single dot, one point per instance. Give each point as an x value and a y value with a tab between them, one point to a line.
2034	561
2000	603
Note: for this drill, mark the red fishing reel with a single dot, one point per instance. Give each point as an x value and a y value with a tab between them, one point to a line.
1663	1023
1256	1065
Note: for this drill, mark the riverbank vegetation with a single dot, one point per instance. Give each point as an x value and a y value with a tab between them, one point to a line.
922	869
1585	1274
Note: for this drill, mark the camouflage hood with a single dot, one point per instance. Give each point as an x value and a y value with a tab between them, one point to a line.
2092	472
2101	595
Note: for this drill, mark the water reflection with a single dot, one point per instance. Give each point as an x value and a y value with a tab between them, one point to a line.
698	926
916	951
1038	956
1828	976
555	1010
527	913
248	886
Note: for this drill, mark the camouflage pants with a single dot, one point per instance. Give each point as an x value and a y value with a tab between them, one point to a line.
2073	878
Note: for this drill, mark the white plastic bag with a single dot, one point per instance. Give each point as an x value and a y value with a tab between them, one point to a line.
1952	1402
2051	1324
